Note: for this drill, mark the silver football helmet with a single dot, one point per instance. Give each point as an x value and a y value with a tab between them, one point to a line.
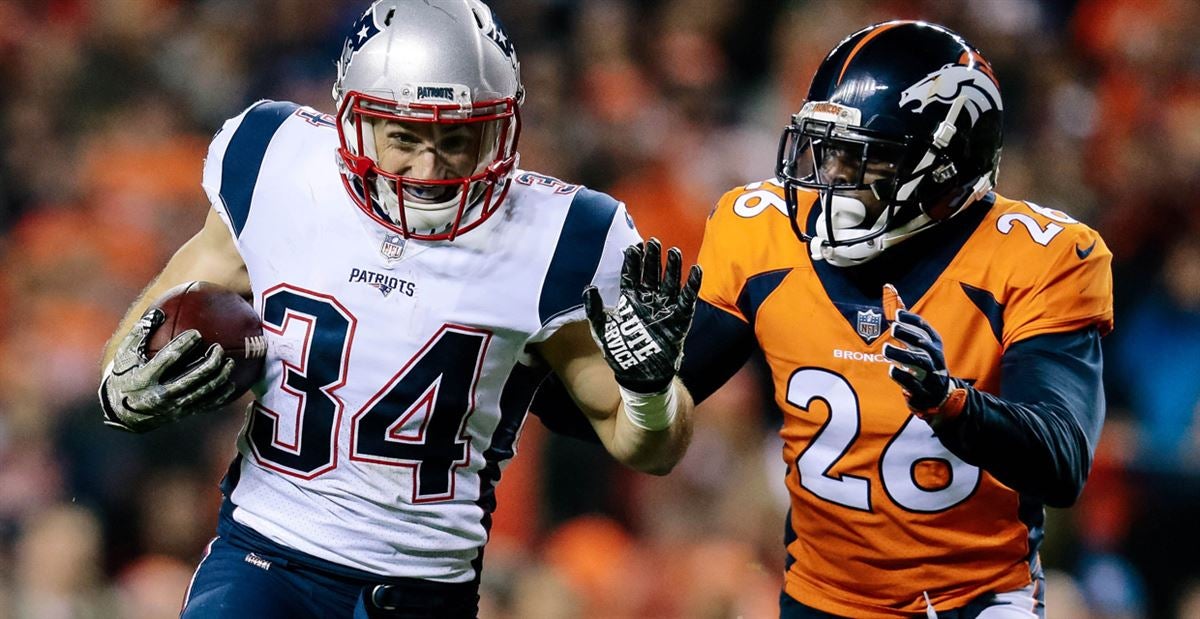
446	64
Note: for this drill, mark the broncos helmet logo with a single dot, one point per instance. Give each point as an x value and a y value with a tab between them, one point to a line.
948	84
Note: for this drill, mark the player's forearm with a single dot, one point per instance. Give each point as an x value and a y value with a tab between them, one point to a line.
208	256
156	289
710	361
1039	450
1038	436
654	451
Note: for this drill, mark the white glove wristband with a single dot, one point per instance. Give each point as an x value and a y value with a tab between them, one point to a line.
651	412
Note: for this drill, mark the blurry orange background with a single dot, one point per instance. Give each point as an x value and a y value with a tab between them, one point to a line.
106	107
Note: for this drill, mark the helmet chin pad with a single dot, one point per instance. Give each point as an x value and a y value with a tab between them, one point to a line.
420	196
848	216
848	213
418	215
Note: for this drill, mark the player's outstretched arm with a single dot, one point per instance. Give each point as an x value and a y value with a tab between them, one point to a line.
132	393
1038	435
620	366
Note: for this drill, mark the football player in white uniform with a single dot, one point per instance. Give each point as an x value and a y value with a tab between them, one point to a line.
415	287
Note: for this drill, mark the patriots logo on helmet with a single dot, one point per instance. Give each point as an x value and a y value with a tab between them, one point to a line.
443	93
487	22
363	30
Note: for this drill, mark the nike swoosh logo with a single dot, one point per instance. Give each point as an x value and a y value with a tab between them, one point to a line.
1084	253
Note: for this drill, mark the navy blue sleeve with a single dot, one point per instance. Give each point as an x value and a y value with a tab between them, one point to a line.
717	346
1038	436
559	413
577	255
244	156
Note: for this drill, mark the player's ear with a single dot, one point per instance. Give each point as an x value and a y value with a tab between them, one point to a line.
892	303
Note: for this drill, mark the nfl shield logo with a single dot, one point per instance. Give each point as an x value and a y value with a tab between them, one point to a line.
869	324
393	246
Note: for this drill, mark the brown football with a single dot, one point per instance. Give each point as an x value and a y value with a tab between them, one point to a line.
222	317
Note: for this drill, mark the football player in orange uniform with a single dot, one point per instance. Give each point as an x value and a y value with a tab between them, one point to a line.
921	443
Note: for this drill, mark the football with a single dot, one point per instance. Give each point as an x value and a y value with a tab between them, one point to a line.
222	317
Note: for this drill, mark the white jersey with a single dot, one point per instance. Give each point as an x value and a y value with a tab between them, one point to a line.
398	375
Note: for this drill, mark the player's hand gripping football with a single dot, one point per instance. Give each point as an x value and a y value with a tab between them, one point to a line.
134	394
642	338
919	366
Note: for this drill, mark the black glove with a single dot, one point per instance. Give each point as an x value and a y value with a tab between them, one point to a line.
642	339
133	394
919	367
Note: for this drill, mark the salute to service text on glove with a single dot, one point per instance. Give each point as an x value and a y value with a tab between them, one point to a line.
642	339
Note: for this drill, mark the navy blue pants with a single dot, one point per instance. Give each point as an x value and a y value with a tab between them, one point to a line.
234	581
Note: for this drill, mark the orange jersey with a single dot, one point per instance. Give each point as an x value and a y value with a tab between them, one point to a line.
881	511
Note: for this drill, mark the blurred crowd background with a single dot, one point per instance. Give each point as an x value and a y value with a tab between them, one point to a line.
106	108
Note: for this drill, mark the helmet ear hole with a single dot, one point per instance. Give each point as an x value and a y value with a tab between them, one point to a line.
884	189
943	206
982	144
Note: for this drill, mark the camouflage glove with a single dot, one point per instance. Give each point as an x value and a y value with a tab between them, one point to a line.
135	396
642	339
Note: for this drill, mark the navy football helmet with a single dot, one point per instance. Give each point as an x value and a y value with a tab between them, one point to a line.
911	113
